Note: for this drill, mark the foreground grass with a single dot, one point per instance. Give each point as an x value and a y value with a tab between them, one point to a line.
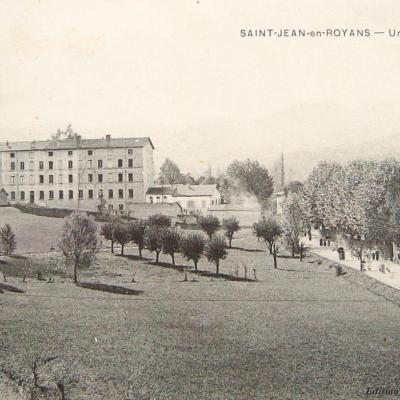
297	333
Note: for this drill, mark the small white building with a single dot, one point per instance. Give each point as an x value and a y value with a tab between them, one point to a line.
193	199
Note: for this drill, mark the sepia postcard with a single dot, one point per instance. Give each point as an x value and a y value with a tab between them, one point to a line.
199	199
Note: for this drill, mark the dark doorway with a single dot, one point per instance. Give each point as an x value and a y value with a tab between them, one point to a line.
32	197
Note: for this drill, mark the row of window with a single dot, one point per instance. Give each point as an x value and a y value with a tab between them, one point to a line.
70	178
70	153
90	194
70	164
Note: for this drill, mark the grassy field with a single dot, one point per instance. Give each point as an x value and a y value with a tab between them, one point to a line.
297	333
34	233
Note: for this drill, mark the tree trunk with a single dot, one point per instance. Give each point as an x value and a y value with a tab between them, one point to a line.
361	258
61	389
195	265
230	242
217	265
293	252
140	252
112	246
173	259
301	252
122	249
274	253
157	257
75	273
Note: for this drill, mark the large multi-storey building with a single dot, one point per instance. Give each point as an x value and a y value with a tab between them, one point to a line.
78	173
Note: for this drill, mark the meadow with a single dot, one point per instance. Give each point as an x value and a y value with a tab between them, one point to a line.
298	332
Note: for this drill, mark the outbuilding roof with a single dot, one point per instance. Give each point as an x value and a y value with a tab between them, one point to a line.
183	190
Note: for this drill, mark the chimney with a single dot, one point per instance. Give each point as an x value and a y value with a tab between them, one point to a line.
78	140
108	139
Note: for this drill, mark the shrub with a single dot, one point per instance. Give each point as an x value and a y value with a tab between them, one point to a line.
159	220
231	226
8	243
193	246
79	241
171	241
216	251
209	224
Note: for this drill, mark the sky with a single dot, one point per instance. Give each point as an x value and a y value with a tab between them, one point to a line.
180	72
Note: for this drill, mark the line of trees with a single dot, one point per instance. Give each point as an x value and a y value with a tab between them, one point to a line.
360	201
157	236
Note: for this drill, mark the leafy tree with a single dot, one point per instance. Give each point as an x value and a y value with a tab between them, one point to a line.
269	230
193	246
169	172
171	240
8	243
231	226
122	235
79	241
251	177
324	195
137	230
293	187
216	251
159	220
153	240
209	224
293	221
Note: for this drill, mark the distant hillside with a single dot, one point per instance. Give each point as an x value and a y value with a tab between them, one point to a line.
300	164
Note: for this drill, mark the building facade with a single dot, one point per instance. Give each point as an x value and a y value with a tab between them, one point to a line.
76	173
193	199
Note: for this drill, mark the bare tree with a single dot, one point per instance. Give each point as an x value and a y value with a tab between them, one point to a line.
231	226
122	235
193	246
209	224
270	231
153	240
216	251
136	231
171	241
79	241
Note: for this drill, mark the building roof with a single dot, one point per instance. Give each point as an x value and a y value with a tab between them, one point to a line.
183	190
155	190
195	190
72	144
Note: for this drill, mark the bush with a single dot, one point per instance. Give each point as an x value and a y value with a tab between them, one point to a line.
209	224
171	241
193	246
79	241
216	251
159	220
231	226
8	243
